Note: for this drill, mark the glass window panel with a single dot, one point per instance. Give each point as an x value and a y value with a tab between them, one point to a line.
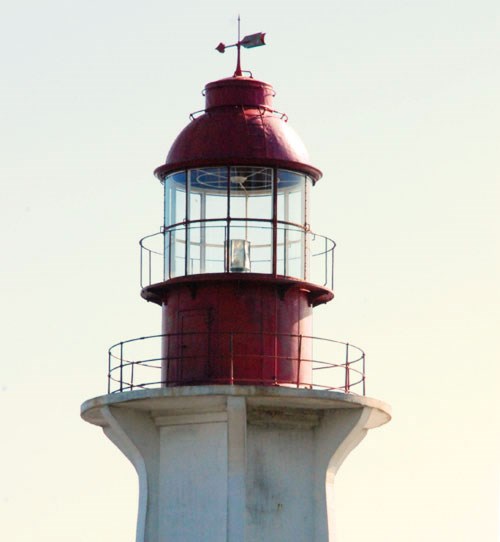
280	252
174	198
214	253
291	197
215	206
295	207
166	255
166	203
261	206
179	207
251	192
208	193
261	254
294	246
194	261
239	204
178	251
195	248
281	206
195	232
194	206
239	229
209	180
290	252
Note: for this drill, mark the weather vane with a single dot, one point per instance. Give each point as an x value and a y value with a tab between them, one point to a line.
248	42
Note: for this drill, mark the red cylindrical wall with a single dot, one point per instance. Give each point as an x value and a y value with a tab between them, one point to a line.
241	332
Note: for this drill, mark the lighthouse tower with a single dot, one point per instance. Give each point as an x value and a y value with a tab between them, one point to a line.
236	418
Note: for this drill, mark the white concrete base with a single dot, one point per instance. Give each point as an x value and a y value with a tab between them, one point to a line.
235	463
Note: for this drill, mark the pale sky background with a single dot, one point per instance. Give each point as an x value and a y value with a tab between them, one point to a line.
397	102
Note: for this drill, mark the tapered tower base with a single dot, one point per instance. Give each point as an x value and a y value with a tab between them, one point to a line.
226	463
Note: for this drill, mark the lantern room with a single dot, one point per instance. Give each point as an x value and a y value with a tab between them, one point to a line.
236	189
236	219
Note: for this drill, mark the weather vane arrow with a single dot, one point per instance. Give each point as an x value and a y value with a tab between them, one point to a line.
248	42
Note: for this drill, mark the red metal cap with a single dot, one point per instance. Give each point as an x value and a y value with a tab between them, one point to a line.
243	91
238	127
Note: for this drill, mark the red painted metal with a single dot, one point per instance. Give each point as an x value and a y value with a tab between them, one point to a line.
262	314
270	311
159	292
263	355
238	126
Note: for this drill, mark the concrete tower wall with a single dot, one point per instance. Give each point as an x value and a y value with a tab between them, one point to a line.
225	463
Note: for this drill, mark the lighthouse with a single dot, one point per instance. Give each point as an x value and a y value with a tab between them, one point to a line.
236	417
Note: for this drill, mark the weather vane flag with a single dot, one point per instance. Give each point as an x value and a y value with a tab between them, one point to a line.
248	42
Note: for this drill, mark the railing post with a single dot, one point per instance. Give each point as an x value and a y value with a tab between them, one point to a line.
140	263
347	375
187	236
121	366
326	262
169	254
275	359
164	358
274	248
109	371
227	233
364	381
149	265
285	251
333	264
299	360
231	358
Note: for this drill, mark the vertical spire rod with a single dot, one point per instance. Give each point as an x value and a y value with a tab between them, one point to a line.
238	72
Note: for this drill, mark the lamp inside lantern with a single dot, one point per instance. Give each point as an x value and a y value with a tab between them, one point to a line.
239	256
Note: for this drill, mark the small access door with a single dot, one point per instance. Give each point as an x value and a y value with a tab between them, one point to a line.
194	345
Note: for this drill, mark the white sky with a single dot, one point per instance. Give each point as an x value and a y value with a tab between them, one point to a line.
397	101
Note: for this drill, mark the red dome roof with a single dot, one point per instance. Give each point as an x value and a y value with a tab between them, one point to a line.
238	127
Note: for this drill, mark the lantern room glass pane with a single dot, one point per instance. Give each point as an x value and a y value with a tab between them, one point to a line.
195	205
214	206
220	219
175	198
209	180
251	192
208	193
177	251
215	235
291	197
167	259
194	247
290	251
261	243
294	243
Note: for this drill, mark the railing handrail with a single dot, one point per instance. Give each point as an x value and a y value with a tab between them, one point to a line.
354	368
280	251
269	333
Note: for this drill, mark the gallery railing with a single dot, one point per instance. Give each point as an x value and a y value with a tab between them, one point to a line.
203	247
337	366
